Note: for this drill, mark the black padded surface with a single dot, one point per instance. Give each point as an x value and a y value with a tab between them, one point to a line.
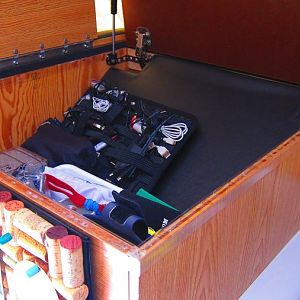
241	118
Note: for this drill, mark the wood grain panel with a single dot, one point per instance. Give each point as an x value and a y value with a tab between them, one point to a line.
224	255
213	251
28	24
29	99
259	37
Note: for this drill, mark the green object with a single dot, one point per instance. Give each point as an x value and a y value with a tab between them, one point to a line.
143	193
5	238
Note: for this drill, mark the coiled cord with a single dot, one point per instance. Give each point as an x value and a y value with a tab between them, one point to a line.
175	131
101	105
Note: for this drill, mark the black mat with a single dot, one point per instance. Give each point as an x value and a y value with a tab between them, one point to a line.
241	118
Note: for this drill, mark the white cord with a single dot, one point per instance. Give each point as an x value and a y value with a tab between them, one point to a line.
115	92
101	105
175	131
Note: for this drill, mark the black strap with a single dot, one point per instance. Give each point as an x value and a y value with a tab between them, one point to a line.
81	122
124	131
113	112
133	159
104	138
142	181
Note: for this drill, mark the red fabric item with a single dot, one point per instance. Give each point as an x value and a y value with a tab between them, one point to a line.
57	185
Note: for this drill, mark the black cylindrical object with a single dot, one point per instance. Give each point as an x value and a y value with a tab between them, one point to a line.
123	221
114	7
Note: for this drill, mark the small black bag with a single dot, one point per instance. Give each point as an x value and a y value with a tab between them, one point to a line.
61	147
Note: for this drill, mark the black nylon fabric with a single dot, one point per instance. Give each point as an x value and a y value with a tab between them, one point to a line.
154	213
241	118
61	147
133	159
127	156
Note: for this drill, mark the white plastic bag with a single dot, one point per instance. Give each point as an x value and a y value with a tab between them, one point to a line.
84	183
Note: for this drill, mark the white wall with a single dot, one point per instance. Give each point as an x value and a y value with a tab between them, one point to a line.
281	279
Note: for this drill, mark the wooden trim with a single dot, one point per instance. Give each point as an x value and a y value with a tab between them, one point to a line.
183	227
221	249
108	33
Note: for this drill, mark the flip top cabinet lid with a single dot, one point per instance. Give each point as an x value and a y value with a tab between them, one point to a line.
258	37
27	24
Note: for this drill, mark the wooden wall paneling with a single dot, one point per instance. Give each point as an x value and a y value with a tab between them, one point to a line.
221	257
214	251
29	99
28	24
259	37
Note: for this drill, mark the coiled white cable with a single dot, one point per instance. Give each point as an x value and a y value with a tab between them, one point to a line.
175	131
101	105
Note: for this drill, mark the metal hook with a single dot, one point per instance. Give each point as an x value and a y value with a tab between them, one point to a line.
16	57
65	49
87	42
42	54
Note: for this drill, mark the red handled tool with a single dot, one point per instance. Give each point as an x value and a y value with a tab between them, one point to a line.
60	186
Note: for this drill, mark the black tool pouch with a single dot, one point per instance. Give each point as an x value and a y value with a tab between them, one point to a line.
61	147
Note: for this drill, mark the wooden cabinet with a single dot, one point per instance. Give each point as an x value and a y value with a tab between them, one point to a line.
215	250
219	245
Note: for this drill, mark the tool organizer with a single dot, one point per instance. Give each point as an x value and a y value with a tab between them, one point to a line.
134	139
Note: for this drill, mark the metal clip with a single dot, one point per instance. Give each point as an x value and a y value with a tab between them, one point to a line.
42	54
16	57
65	49
87	43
